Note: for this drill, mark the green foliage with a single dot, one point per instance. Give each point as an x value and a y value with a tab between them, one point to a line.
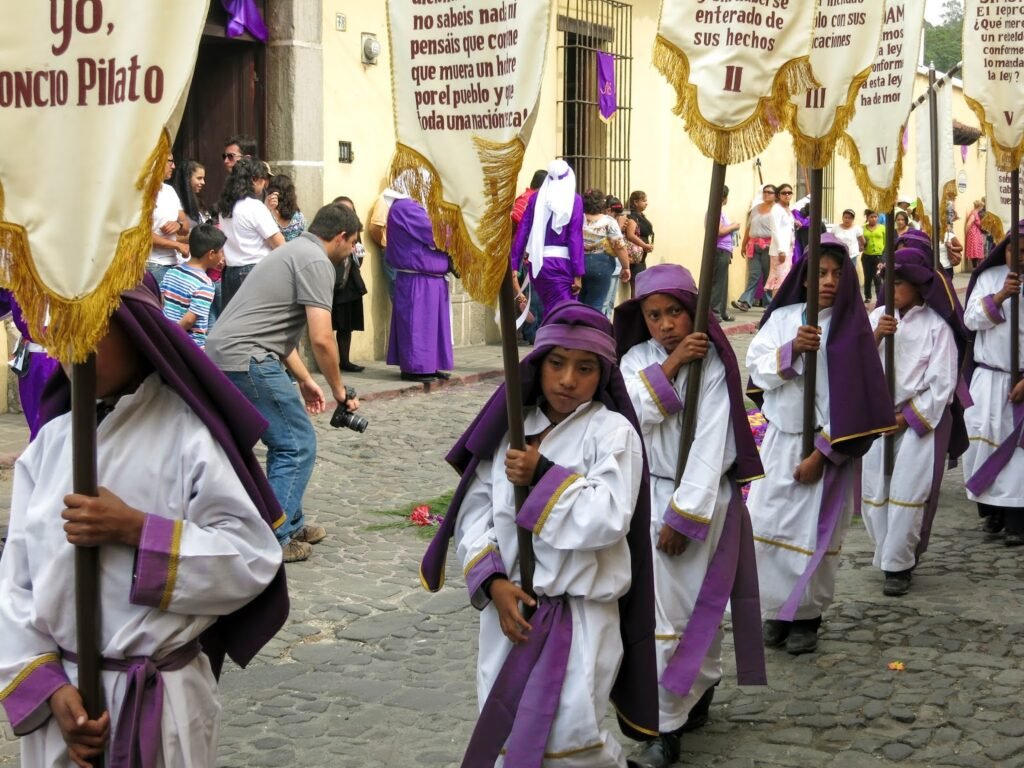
943	43
399	518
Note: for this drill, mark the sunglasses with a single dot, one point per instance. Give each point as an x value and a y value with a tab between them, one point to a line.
767	191
786	192
230	156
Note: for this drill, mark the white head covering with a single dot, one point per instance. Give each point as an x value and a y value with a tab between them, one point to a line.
555	200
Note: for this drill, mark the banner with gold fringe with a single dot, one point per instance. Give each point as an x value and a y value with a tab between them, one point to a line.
873	138
734	68
846	39
466	82
997	218
90	94
923	147
993	85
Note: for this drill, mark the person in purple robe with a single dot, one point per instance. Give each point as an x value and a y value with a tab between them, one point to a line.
550	235
420	343
32	366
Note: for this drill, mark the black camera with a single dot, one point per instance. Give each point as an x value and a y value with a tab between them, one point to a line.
343	417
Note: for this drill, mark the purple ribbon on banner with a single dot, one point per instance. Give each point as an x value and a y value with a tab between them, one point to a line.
244	16
606	99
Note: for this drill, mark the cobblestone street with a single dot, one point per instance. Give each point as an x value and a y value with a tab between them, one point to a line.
373	671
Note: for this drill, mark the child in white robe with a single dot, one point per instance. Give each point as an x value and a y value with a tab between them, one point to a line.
993	463
899	508
544	681
186	539
701	522
801	509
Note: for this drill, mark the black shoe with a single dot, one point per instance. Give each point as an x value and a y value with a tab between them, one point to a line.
774	633
803	637
443	375
993	523
420	377
352	368
658	753
897	583
742	306
699	714
1014	539
726	318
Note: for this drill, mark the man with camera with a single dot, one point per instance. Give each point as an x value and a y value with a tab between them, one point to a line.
255	343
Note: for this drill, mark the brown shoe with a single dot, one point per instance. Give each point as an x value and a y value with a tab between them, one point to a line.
311	534
296	551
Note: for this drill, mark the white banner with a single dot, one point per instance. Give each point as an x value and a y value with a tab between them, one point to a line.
923	147
997	198
993	50
90	93
467	79
872	141
846	38
734	67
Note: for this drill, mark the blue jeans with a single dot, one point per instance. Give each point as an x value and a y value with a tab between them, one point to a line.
214	305
597	279
758	268
290	439
158	270
232	280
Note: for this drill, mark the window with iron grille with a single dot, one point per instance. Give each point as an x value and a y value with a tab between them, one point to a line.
598	151
828	189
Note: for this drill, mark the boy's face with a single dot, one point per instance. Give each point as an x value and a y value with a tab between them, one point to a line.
214	259
906	294
119	367
568	379
667	320
829	270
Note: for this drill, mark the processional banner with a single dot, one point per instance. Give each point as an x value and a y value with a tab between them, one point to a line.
466	82
734	67
873	141
947	168
91	92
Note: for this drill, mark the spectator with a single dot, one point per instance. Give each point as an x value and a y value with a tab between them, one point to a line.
187	290
723	258
613	208
420	343
235	148
639	232
603	245
874	249
283	203
168	223
755	244
189	182
378	228
852	236
901	222
256	342
780	252
248	224
974	235
347	307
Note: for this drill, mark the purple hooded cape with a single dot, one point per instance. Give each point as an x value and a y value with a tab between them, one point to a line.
41	367
635	692
232	421
861	407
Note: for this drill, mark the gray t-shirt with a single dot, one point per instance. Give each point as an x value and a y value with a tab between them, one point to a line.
268	314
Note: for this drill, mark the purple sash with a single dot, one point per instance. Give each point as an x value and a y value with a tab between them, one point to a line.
136	742
521	707
994	464
836	486
731	573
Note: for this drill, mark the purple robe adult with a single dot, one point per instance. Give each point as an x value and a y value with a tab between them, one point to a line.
509	707
40	366
563	260
421	327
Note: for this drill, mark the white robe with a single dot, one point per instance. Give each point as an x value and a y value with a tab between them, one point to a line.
154	453
926	375
704	494
581	552
990	420
783	512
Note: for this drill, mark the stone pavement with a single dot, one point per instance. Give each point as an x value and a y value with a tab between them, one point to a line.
372	670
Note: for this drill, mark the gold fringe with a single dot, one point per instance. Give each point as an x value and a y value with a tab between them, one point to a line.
481	270
947	194
993	225
1007	158
817	152
70	329
729	146
924	219
877	198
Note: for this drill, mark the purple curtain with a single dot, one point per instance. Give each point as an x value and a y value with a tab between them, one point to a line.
244	16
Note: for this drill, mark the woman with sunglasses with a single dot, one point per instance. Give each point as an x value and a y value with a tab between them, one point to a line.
754	246
780	252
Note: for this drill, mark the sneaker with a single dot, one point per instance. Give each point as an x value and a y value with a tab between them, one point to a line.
897	583
296	551
803	637
774	633
311	534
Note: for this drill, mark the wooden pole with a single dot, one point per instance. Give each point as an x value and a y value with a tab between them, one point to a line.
87	559
811	360
700	322
933	123
516	432
1015	299
890	342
